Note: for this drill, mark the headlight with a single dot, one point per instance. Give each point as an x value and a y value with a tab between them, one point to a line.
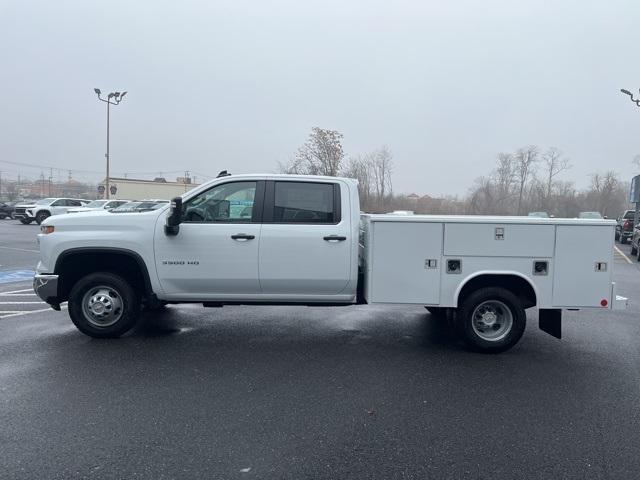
46	229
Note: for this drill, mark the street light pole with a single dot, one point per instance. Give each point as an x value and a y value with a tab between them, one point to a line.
636	215
114	98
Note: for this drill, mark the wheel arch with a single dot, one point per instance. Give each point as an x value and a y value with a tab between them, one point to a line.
516	282
74	263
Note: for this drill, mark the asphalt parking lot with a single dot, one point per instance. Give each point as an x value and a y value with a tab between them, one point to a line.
297	392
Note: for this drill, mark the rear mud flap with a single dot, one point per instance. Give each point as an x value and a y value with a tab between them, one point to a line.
550	321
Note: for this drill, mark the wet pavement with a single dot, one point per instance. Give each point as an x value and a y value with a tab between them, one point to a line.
298	392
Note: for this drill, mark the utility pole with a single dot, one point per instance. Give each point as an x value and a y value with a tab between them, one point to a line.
114	98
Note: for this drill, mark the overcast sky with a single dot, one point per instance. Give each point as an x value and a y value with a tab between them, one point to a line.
238	85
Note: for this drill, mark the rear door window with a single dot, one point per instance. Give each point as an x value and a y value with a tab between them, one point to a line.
305	202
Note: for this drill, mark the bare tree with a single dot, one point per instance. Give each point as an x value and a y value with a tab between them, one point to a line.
382	162
526	159
554	163
361	168
321	154
290	167
482	198
503	178
604	187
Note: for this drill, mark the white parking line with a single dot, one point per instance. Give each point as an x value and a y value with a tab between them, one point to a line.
20	303
19	314
623	255
18	291
21	249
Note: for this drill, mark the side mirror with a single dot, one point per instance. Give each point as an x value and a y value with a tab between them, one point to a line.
172	225
605	217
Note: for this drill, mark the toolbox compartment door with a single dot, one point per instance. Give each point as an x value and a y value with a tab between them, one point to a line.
405	262
499	240
578	280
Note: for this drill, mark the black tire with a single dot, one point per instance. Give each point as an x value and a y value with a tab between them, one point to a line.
634	250
42	216
503	301
623	239
26	221
2	216
617	236
120	292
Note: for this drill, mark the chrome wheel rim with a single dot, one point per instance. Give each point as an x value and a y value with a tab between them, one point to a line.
102	306
492	320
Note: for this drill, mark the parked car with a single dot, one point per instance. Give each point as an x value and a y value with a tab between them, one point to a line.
140	206
97	205
402	212
624	227
7	209
538	214
592	215
46	207
303	243
20	210
635	243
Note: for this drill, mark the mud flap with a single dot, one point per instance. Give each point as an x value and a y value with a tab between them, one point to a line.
550	321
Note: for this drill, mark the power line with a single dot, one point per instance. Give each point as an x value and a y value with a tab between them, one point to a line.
99	172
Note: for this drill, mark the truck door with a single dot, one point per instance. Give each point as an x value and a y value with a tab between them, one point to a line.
216	251
305	247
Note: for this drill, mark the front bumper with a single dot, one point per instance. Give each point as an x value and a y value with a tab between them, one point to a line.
46	287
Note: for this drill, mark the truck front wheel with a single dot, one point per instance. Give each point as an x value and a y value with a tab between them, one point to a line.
104	305
491	320
26	221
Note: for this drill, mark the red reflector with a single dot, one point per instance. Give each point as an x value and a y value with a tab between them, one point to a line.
604	302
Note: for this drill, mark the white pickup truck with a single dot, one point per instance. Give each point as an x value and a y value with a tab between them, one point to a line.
287	239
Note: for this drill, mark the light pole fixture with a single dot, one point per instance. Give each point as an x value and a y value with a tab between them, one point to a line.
634	100
114	98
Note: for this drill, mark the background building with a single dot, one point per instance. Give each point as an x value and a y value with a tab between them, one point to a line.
136	189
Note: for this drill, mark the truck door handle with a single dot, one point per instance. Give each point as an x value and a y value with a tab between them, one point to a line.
335	238
243	236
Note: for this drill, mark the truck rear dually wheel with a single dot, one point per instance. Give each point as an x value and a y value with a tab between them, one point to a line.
104	305
491	320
